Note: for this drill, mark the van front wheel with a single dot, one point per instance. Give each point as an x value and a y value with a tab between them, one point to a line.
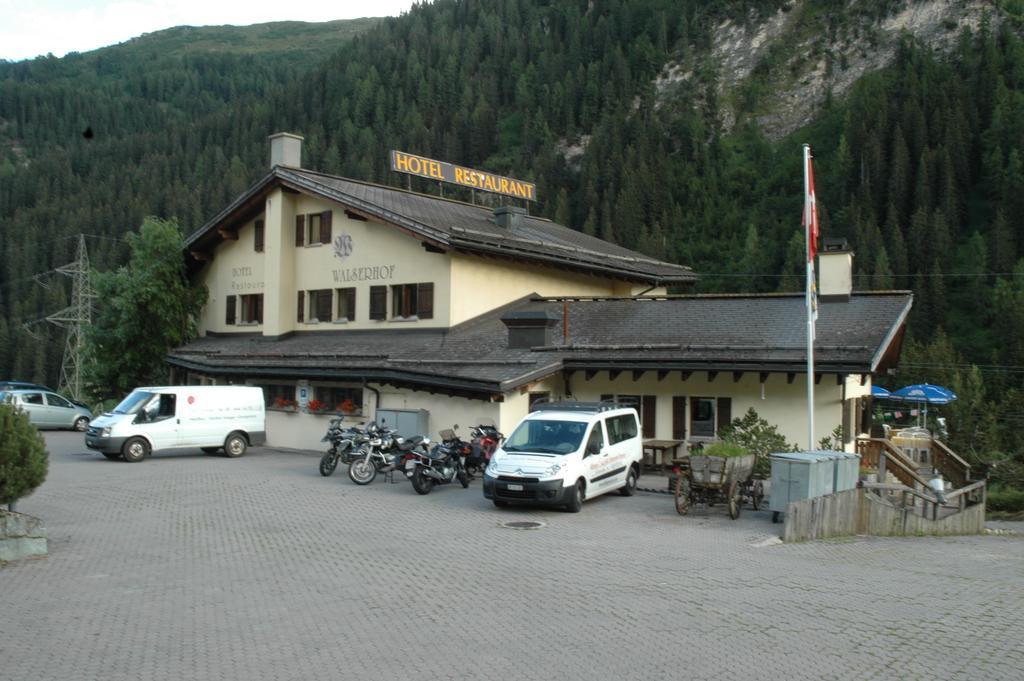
576	500
629	488
235	445
135	449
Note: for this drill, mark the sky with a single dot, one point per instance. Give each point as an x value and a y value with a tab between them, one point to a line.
30	28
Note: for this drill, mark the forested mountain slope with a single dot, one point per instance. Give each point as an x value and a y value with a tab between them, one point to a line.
670	126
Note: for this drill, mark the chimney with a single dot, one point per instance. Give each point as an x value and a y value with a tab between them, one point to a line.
286	150
835	270
509	216
529	328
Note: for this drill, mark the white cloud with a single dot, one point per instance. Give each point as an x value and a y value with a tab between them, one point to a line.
40	27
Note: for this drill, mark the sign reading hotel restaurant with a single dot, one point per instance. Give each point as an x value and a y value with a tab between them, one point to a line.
476	179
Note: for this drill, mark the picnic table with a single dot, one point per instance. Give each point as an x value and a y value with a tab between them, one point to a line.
658	450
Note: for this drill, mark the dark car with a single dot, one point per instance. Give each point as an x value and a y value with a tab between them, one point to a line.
23	385
28	385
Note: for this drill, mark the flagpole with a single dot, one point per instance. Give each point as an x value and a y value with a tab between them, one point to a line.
808	217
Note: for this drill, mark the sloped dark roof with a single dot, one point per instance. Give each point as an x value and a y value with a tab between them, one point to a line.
453	225
695	333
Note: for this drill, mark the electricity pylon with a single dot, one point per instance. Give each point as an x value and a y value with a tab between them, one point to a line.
75	318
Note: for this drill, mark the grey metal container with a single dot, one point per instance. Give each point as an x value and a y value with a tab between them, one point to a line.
847	471
800	475
407	422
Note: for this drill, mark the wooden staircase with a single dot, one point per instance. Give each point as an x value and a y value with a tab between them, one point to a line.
884	456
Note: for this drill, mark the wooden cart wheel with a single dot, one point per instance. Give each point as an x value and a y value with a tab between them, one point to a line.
758	495
682	495
734	500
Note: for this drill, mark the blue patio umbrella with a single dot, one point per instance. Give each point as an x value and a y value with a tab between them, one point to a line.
880	393
925	393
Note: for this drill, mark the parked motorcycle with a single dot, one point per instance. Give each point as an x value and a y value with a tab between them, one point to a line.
384	451
484	442
344	444
442	464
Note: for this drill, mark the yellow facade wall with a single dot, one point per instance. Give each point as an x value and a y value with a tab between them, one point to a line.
390	257
237	269
781	404
482	284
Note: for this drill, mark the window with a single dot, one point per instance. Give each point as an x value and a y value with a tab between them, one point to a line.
252	309
621	428
410	301
159	408
538	398
343	400
279	396
595	443
378	302
300	315
231	311
313	228
57	401
702	417
645	406
320	305
346	305
258	233
32	398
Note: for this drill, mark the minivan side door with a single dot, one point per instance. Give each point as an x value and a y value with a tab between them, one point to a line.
599	464
623	432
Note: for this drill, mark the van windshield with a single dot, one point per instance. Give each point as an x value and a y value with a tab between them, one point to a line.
546	437
132	403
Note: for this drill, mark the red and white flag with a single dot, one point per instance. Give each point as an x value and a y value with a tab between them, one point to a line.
810	221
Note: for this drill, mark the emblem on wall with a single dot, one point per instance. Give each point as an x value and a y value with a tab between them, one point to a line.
342	246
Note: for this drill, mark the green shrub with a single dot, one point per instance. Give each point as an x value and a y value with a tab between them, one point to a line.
1006	500
727	449
23	456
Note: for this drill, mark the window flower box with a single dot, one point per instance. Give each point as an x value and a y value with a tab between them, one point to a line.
315	406
284	404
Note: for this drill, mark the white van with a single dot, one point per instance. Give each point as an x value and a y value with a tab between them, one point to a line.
565	452
210	417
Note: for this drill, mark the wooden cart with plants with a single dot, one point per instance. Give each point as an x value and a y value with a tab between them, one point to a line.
721	473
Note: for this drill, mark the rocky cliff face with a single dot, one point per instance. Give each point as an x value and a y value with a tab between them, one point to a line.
780	70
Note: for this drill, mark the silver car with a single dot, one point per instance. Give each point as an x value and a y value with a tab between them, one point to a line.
47	409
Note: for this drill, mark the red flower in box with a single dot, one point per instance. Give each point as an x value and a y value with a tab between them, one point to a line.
285	403
347	407
316	405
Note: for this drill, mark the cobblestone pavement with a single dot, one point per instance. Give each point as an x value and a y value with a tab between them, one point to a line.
189	566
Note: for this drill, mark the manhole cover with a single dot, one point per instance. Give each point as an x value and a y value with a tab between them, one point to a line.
523	525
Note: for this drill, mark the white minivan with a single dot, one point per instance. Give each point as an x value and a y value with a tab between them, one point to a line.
210	417
565	452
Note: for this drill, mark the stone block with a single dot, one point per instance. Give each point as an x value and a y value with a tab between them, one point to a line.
21	536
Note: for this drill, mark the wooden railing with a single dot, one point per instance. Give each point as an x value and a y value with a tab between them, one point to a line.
965	496
952	467
929	504
976	492
881	454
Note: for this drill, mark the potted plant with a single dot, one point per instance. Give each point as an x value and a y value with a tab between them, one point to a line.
315	406
347	406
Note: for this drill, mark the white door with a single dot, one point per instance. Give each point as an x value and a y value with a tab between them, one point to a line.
598	463
159	422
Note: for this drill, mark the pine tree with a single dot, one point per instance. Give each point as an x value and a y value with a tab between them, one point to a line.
23	457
